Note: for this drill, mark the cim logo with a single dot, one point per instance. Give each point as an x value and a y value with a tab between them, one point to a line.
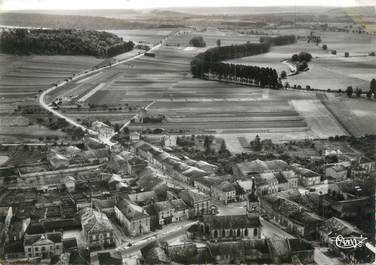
349	242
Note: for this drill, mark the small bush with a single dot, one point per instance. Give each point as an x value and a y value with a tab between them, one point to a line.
197	41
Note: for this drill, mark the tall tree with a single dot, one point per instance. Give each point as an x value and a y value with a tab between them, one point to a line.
223	148
256	143
207	144
373	86
349	91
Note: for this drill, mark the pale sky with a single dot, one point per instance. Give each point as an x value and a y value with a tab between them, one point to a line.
138	4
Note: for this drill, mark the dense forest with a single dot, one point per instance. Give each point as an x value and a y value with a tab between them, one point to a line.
62	42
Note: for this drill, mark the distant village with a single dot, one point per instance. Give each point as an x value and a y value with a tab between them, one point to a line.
144	202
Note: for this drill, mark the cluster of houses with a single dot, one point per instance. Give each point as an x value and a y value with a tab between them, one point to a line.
146	188
255	251
269	176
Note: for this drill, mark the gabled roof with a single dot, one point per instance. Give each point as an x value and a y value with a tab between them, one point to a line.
149	182
142	196
115	178
225	186
264	179
292	210
208	181
191	197
304	172
280	178
130	210
259	166
177	204
93	221
246	185
230	221
103	204
43	239
162	206
335	226
194	172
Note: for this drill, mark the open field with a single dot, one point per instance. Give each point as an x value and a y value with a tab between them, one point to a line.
146	36
26	75
326	71
21	77
357	116
234	112
211	35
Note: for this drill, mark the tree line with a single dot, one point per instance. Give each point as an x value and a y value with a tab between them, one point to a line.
208	65
261	76
279	40
62	42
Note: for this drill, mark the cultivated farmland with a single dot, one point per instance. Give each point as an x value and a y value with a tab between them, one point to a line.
191	106
236	113
21	79
326	71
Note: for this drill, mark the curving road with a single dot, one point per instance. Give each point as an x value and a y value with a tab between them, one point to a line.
43	95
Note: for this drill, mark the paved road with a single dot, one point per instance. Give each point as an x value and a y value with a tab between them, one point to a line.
128	122
43	95
168	234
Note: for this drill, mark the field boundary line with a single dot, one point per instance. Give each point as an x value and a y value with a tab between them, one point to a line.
323	102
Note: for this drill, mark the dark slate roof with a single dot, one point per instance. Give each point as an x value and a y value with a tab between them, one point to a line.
193	228
70	243
230	221
35	228
280	178
51	225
